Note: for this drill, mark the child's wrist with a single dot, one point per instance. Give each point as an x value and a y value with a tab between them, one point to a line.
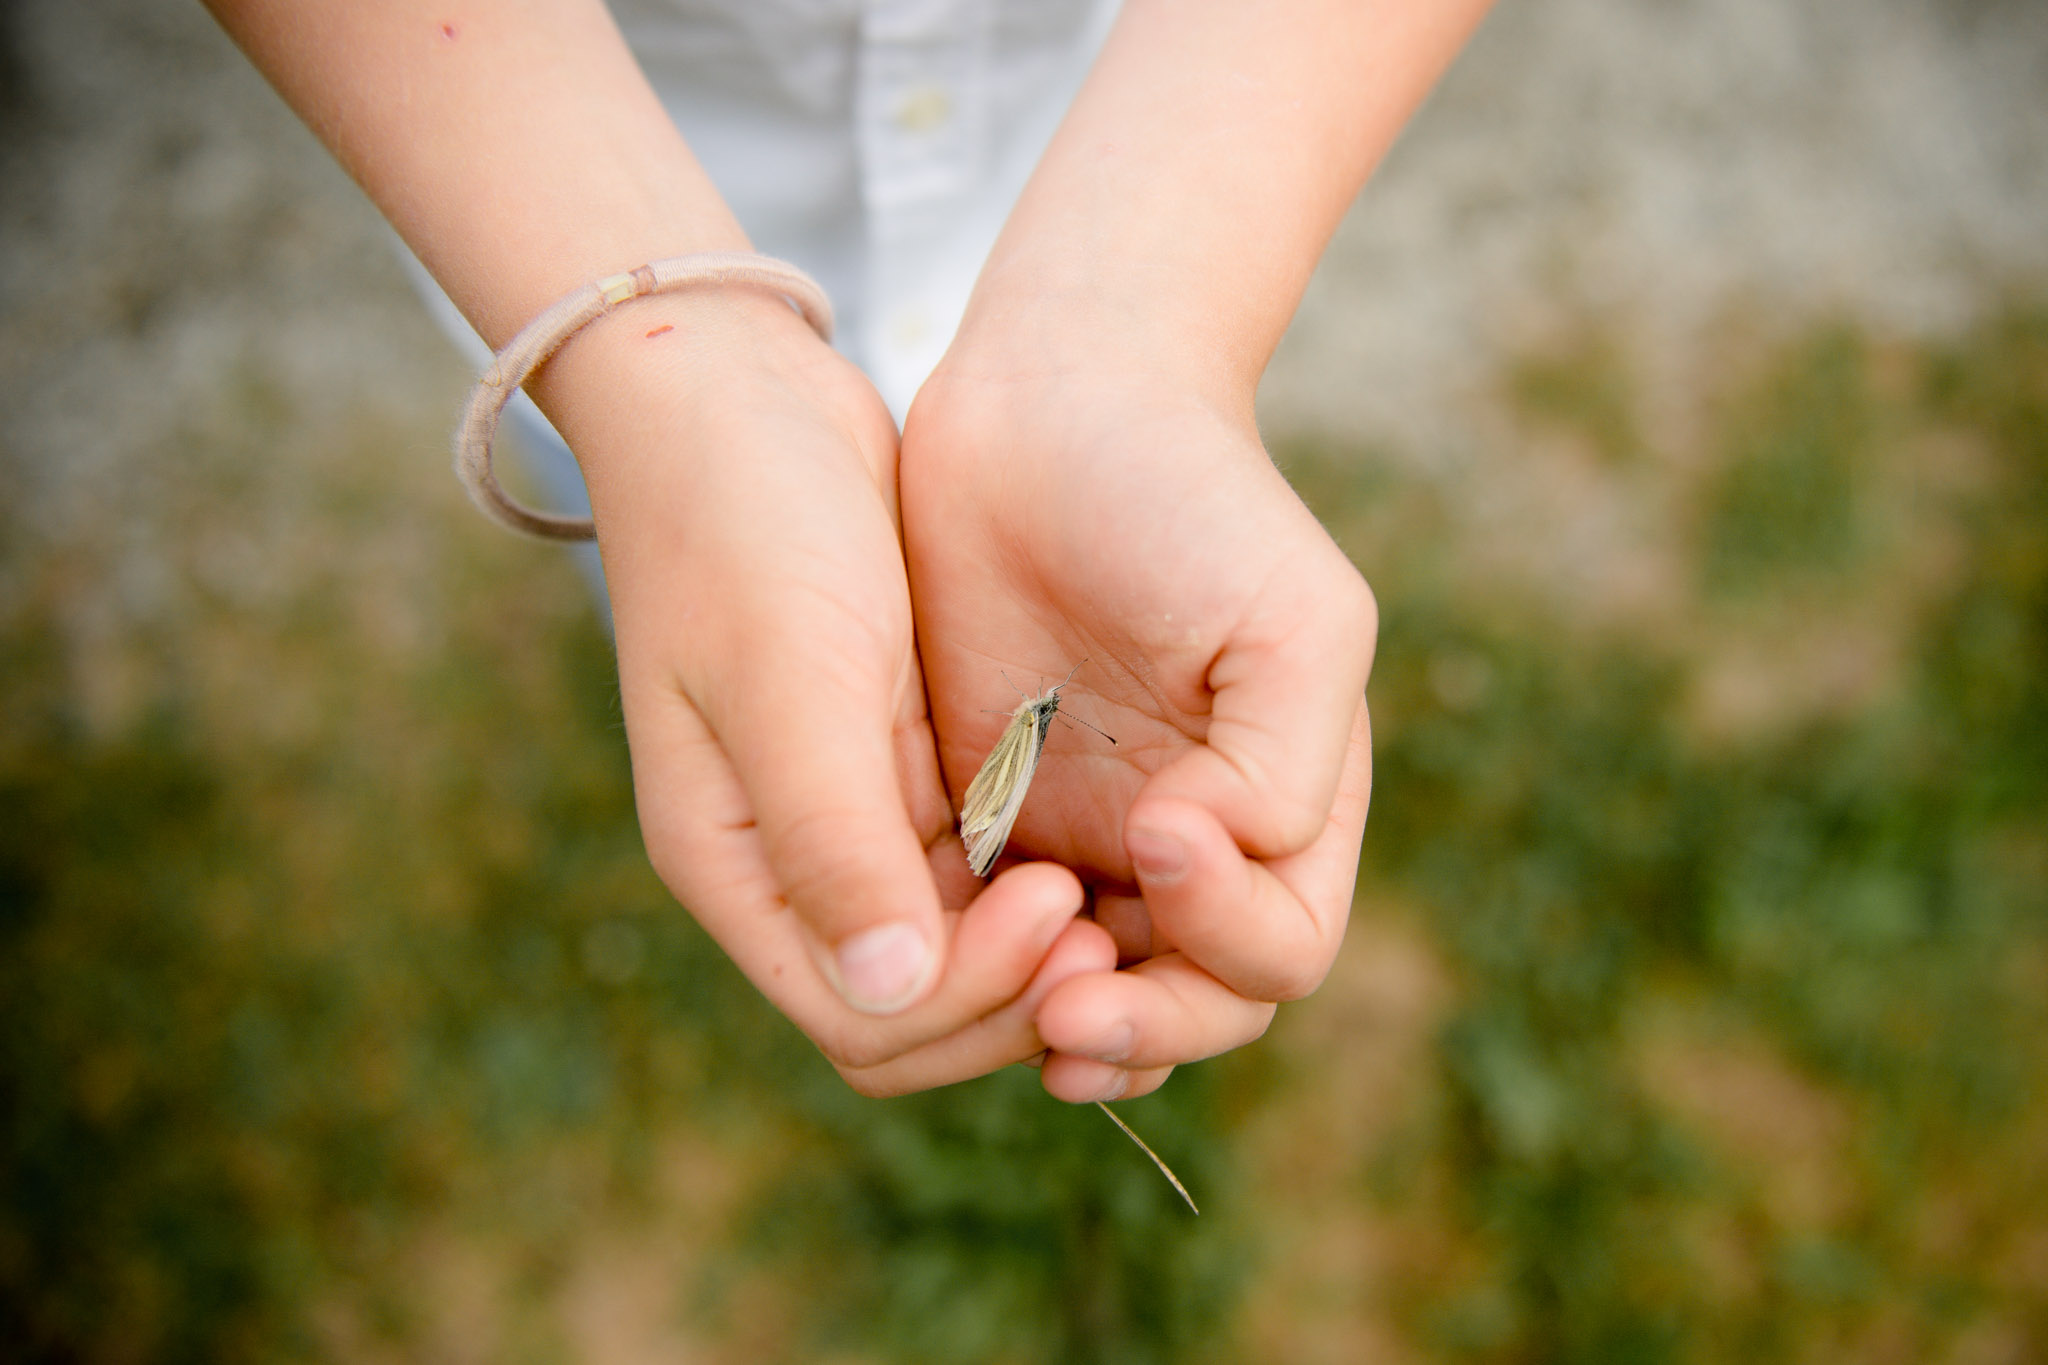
696	318
1093	322
676	341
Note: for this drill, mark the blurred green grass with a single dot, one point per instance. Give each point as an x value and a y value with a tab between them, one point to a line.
1694	1007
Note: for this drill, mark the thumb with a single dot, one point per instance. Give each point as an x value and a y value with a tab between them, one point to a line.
812	742
1286	694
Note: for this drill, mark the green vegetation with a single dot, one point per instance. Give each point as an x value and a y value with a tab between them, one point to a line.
341	1018
1746	1058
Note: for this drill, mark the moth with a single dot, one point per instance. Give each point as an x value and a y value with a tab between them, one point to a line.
990	811
997	792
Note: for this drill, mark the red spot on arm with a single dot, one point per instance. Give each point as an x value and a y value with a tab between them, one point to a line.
448	32
665	327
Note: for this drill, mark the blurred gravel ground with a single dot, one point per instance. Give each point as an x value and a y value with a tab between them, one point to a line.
1665	166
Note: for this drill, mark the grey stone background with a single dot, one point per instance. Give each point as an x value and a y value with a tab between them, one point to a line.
169	234
1658	164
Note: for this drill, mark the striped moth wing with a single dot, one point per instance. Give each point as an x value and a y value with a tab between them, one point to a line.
997	792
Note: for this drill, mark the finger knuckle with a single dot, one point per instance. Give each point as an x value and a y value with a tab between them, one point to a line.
856	1050
1295	981
667	860
1290	969
1363	609
875	1083
818	866
1265	1022
1355	625
1276	820
1292	822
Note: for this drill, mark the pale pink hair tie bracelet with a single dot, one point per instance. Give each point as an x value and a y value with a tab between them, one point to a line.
544	336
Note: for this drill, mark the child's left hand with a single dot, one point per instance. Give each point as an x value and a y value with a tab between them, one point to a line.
1056	513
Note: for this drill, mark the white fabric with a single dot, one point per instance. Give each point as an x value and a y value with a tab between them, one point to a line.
878	144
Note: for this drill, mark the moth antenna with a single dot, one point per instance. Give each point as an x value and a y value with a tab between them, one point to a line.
1013	687
1076	720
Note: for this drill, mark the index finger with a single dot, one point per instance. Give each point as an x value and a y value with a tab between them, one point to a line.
1268	930
700	829
1287	688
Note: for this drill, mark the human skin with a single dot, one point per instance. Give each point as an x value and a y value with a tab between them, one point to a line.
744	479
1082	478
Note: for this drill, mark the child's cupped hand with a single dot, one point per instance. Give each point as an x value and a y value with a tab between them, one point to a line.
1062	509
788	787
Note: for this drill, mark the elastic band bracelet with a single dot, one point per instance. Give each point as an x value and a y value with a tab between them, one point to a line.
544	336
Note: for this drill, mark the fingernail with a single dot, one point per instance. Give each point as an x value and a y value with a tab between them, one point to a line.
1115	1089
1158	857
880	969
1113	1044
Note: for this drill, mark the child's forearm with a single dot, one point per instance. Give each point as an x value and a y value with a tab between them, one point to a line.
1215	146
515	146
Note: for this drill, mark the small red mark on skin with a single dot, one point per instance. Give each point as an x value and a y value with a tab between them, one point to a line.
665	327
448	32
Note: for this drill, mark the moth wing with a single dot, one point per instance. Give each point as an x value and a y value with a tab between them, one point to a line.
997	792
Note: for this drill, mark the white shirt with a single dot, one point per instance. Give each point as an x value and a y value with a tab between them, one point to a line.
879	144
